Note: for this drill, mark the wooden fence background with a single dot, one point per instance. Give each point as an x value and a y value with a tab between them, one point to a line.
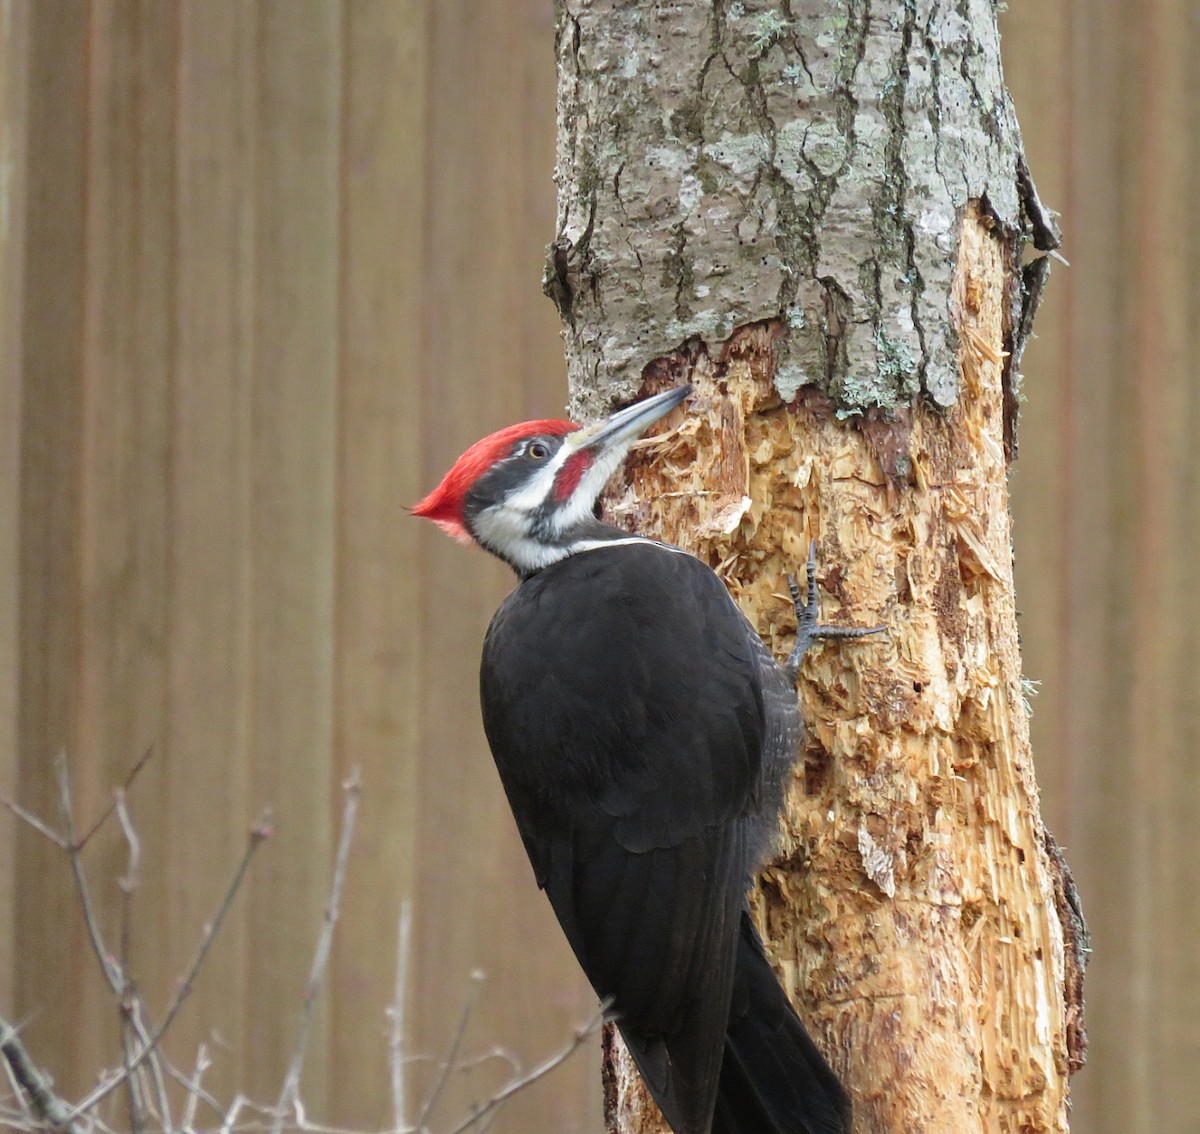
265	269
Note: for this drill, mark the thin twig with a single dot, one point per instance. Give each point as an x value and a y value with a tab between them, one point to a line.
132	877
98	822
231	1115
493	1053
145	1066
289	1096
539	1072
108	964
14	1086
129	1001
33	821
35	1083
194	1093
133	1082
155	1062
451	1061
259	833
113	970
396	1014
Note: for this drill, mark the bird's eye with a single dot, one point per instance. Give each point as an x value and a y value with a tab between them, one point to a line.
538	450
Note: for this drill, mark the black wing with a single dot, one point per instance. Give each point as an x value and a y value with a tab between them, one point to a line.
623	698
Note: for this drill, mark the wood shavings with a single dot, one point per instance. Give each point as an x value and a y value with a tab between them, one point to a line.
725	519
982	347
878	864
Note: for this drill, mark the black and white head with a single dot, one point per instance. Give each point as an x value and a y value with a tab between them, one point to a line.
527	493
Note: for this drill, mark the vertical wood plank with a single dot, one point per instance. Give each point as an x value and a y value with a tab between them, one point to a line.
126	386
210	804
1037	66
1177	989
47	942
1117	598
1162	906
378	654
1098	555
14	46
294	453
1091	599
491	356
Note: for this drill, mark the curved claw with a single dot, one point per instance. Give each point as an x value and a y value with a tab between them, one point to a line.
808	630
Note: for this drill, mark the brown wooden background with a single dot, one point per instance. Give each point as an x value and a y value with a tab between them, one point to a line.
265	269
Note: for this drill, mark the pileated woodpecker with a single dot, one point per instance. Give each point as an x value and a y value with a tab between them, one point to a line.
643	733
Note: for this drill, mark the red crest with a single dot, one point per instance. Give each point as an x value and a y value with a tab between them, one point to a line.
444	505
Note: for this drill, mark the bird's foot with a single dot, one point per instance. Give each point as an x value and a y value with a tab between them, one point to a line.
808	630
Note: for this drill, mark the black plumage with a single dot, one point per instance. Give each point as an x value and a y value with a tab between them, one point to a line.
643	734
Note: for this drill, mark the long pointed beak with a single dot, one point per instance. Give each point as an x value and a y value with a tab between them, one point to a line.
627	424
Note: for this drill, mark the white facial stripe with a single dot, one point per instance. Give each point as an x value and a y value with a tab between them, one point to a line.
598	544
497	531
539	487
579	505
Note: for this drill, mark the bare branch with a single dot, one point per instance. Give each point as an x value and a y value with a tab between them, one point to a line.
451	1061
33	821
132	1031
145	1068
113	969
133	1011
396	1014
130	881
539	1072
194	1092
99	821
133	1082
231	1115
35	1083
289	1096
259	833
108	964
491	1055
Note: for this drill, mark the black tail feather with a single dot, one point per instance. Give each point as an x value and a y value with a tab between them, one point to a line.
773	1078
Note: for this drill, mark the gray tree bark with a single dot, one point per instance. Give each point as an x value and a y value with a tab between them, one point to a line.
816	211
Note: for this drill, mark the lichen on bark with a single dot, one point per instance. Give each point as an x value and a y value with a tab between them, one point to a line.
805	161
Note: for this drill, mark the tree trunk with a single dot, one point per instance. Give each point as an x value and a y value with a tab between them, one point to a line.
815	212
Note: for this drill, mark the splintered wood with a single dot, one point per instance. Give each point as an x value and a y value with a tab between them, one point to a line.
912	909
